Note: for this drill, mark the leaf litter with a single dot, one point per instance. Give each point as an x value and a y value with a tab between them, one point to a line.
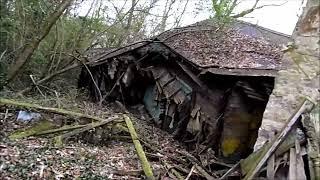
83	156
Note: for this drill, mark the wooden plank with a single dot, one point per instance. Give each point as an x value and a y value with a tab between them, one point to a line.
269	150
139	149
242	72
271	163
171	89
292	175
271	167
285	146
300	172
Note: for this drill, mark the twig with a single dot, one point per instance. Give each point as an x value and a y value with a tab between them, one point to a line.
91	76
204	173
35	84
190	173
254	7
231	170
6	114
171	168
113	87
2	54
198	165
50	76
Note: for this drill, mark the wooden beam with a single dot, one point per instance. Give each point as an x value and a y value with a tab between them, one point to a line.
279	138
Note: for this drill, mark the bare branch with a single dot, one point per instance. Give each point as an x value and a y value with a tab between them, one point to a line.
255	7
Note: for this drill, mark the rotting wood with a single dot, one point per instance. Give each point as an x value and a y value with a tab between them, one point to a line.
142	156
58	140
56	130
10	102
267	152
42	125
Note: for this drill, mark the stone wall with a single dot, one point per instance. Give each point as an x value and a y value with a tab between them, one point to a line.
300	74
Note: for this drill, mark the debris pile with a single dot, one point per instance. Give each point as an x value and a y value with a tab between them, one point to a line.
79	156
293	152
206	102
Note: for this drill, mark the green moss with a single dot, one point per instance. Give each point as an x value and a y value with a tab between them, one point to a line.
58	141
37	128
229	146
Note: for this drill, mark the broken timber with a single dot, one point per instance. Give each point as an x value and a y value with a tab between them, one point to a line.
267	151
9	102
143	159
59	139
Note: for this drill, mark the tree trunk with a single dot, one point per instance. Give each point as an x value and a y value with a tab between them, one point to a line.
29	49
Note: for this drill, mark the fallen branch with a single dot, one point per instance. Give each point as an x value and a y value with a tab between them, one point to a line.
204	173
142	156
58	140
50	76
9	102
190	173
63	128
31	131
231	170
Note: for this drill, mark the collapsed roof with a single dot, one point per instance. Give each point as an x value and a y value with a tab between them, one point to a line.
205	86
240	49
